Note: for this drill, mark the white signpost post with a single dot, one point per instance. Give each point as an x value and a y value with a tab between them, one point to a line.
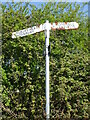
46	27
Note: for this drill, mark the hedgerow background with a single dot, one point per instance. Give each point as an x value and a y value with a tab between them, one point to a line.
23	63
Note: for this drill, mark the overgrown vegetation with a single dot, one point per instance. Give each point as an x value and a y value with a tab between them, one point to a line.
23	63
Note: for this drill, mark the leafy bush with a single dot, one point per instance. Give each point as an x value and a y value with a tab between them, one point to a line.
23	63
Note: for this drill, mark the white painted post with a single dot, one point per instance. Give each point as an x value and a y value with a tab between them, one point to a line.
46	27
47	70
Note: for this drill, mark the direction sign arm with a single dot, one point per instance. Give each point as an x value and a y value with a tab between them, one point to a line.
29	31
64	26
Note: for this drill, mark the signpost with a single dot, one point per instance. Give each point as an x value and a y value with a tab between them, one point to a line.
46	27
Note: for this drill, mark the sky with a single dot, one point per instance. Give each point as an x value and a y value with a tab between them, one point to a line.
45	0
38	2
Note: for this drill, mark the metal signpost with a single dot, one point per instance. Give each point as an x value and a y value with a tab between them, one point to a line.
46	27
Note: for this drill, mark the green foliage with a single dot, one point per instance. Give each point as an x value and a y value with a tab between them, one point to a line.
24	64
